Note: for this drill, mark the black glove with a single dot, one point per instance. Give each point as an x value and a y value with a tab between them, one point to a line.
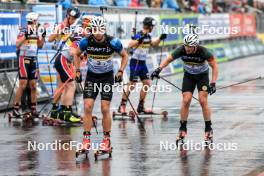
163	36
142	37
28	33
44	33
119	76
212	89
78	77
155	73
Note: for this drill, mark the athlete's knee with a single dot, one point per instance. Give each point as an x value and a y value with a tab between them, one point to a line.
33	86
186	101
88	108
105	110
22	84
203	101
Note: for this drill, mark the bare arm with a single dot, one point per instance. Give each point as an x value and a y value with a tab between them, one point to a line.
155	42
41	42
213	64
124	60
20	41
166	62
133	43
76	54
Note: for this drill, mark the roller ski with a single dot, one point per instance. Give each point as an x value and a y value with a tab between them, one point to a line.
208	137
142	111
180	138
122	113
105	148
86	145
64	118
16	115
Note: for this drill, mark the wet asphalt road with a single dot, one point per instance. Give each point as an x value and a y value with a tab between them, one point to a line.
238	121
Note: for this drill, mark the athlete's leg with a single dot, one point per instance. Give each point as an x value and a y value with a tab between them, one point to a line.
107	122
33	93
68	94
203	99
22	86
144	90
188	86
87	118
143	93
202	85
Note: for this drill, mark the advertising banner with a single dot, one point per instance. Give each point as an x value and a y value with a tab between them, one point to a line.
170	25
249	25
49	15
214	26
9	28
236	21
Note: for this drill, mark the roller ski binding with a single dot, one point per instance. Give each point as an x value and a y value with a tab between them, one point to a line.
105	148
53	120
180	138
25	117
208	137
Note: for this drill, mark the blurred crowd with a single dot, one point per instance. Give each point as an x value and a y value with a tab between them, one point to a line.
196	6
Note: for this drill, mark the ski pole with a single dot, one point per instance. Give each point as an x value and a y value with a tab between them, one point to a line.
243	82
47	56
139	120
176	86
154	95
11	94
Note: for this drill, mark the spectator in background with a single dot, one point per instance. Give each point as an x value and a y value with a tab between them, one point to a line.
97	2
65	4
156	3
205	7
122	3
134	3
171	4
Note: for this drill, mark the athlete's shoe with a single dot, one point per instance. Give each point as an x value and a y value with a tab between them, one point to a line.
34	113
86	144
69	117
16	113
141	108
181	135
54	114
122	108
208	136
105	146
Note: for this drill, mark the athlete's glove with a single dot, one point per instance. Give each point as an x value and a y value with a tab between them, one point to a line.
163	36
141	38
78	77
119	76
27	32
212	89
44	33
155	73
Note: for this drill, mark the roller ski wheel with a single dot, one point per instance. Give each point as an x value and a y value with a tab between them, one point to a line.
132	115
27	117
180	139
98	153
78	153
164	114
208	138
9	117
